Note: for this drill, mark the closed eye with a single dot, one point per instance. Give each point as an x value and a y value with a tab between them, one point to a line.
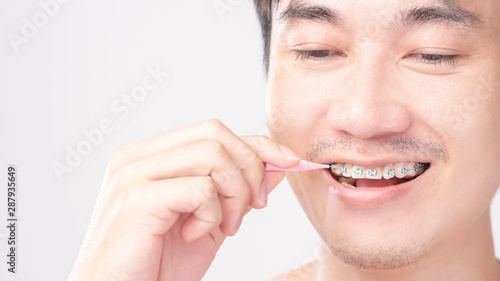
317	55
435	59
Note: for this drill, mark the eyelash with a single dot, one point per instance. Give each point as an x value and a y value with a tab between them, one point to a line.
436	60
317	55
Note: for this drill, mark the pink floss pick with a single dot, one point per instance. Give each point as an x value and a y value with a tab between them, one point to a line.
301	167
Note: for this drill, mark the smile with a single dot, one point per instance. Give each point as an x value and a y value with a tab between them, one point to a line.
355	176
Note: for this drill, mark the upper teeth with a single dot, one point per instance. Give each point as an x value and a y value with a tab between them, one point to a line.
399	170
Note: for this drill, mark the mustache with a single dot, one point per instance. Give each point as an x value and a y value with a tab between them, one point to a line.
428	148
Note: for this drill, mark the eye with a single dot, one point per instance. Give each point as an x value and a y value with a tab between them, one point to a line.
435	59
317	55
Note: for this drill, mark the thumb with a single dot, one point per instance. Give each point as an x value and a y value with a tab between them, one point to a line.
272	152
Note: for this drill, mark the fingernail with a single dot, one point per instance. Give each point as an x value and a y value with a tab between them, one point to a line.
263	195
238	224
288	152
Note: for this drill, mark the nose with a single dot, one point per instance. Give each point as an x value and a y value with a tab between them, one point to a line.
369	104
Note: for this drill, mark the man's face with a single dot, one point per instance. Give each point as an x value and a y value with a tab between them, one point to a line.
381	83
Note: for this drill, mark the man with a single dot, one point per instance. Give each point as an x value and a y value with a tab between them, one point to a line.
403	97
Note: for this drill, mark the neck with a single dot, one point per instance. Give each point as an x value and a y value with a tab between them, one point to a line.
459	257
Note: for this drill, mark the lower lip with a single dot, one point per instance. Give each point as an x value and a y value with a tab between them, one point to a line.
371	197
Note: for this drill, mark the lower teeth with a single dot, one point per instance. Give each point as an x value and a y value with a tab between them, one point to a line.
350	182
348	185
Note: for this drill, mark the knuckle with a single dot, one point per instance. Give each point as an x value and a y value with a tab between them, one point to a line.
238	189
215	123
216	147
254	159
263	139
231	168
121	151
266	142
244	195
208	188
222	178
260	143
124	178
217	217
247	193
124	172
246	149
129	198
215	126
119	157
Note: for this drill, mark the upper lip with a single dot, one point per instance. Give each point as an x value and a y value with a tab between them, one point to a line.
370	162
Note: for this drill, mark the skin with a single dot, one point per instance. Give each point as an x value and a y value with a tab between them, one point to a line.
167	203
373	100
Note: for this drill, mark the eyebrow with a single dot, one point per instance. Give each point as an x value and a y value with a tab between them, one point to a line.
299	10
450	13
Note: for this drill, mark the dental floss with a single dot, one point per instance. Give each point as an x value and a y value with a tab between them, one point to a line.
301	167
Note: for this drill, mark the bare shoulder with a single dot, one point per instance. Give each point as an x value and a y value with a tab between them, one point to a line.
304	273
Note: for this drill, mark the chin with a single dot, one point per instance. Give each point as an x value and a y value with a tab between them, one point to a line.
373	249
375	228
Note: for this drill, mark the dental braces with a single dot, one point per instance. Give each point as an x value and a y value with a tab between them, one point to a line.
398	170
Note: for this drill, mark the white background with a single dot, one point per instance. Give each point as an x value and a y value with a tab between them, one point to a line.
64	79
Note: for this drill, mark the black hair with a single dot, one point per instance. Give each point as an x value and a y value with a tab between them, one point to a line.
265	13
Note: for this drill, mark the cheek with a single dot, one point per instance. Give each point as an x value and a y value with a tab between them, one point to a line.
296	107
471	133
477	136
472	126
